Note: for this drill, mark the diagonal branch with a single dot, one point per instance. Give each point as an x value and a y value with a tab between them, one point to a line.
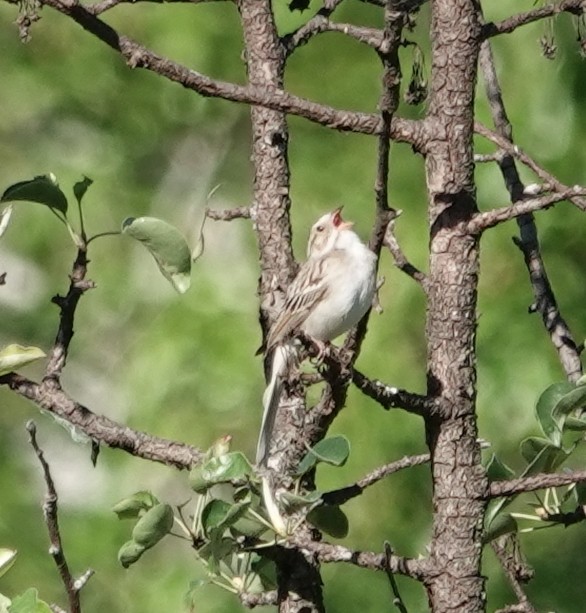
401	262
105	5
488	219
342	495
575	7
49	397
138	56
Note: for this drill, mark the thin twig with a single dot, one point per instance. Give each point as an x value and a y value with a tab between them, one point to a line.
392	397
105	5
516	573
575	7
50	513
342	495
528	241
241	212
401	262
397	600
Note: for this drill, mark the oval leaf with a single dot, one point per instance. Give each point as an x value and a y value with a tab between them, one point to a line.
501	525
131	507
574	399
167	246
329	519
550	424
222	469
43	189
129	553
15	356
153	526
219	514
7	557
497	471
81	187
541	455
29	603
334	450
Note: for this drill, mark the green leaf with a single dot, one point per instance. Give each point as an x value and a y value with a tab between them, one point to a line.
129	553
329	519
581	492
267	572
153	525
574	424
167	246
294	502
133	506
219	514
497	471
541	455
222	469
574	399
550	423
334	450
81	187
501	525
5	218
15	356
29	603
7	557
42	189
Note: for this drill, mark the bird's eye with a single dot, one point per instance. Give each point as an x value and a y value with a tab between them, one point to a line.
320	229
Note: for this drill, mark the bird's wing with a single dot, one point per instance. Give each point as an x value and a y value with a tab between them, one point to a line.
307	290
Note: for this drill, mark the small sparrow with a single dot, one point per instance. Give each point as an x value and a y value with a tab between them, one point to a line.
331	293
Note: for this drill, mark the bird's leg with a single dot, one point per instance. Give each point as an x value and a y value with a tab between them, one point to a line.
323	351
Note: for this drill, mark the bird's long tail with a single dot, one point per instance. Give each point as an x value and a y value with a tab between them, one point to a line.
283	357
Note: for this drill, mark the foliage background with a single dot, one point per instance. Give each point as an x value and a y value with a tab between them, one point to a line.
183	367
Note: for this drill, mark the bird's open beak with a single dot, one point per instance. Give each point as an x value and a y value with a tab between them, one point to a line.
339	223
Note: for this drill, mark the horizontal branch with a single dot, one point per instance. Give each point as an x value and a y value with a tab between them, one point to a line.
576	7
105	5
342	495
535	482
241	212
138	56
328	553
50	397
488	219
392	397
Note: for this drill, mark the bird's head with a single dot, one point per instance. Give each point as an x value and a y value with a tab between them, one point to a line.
325	232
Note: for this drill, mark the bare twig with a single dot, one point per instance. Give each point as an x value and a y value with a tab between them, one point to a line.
241	212
342	495
138	56
535	482
504	143
49	397
392	397
254	599
401	262
517	573
488	219
67	306
105	5
72	587
397	600
328	553
545	302
575	7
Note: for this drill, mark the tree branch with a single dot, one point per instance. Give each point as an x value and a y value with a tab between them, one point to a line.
488	219
241	212
392	397
138	56
575	7
72	587
327	553
516	573
105	5
49	397
342	495
401	262
535	482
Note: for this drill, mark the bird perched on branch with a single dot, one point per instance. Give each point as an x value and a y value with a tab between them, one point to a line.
331	293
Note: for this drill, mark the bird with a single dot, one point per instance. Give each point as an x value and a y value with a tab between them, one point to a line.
331	293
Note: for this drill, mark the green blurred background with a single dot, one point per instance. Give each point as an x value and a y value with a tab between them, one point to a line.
183	367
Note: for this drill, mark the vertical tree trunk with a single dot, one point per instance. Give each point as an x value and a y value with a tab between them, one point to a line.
459	481
299	581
